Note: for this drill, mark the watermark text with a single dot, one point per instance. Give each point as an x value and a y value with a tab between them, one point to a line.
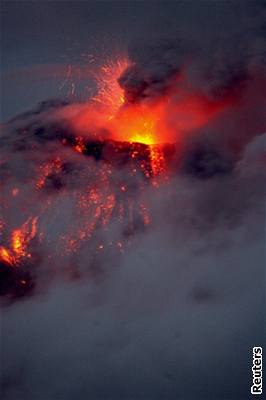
256	388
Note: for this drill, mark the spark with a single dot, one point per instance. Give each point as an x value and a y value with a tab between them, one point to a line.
110	94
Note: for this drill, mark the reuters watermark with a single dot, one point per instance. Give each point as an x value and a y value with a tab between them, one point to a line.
256	388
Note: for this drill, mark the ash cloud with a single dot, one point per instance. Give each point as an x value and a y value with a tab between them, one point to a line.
154	67
214	59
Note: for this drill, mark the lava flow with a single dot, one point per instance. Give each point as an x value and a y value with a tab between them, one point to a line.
81	187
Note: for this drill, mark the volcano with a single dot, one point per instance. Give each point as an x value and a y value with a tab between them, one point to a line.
79	183
78	179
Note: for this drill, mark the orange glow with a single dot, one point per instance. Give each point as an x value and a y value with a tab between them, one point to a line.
165	119
6	256
96	186
136	123
110	94
157	159
19	242
22	236
80	146
46	169
142	124
191	111
176	113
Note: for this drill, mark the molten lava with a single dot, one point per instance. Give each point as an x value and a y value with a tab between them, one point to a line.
114	134
19	243
136	123
166	119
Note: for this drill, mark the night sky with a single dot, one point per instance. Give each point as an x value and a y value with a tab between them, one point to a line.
121	277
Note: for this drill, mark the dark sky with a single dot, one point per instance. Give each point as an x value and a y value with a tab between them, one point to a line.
57	33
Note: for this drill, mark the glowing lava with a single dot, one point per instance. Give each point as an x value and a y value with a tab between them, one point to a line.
6	256
76	200
134	123
19	243
139	124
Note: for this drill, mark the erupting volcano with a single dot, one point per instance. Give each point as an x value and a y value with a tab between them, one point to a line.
96	161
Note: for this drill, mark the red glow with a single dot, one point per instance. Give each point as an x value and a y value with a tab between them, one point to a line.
136	123
6	256
168	118
110	94
178	112
164	120
107	196
19	243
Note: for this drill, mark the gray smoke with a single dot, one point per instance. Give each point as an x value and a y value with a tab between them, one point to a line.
215	56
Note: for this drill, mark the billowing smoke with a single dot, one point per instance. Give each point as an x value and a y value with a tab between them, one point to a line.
132	263
213	59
